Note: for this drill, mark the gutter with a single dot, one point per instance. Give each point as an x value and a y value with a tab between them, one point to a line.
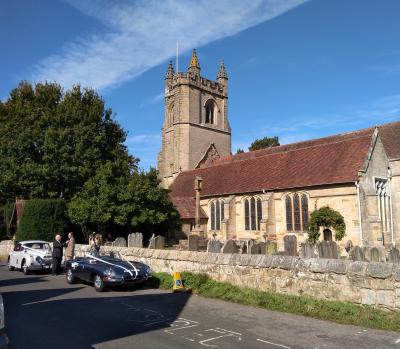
359	210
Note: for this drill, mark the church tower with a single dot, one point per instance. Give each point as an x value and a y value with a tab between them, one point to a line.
196	129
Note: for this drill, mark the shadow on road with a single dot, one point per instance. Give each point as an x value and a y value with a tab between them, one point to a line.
22	281
83	322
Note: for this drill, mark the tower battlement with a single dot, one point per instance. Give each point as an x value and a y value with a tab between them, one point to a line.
196	129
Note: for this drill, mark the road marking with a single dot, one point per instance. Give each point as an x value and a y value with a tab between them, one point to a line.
223	332
276	344
398	341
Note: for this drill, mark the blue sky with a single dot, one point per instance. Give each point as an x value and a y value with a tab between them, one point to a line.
297	69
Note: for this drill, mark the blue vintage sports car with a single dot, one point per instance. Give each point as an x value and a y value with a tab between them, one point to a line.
107	270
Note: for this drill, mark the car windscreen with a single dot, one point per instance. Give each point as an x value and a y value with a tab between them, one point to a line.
38	245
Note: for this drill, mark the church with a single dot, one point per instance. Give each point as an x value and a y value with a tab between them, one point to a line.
270	193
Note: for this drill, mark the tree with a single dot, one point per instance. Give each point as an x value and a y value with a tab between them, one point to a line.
42	219
52	142
265	142
326	217
239	151
119	199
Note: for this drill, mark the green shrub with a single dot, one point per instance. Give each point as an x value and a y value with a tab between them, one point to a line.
42	219
326	217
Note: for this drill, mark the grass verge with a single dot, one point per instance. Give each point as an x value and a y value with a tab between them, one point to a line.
336	311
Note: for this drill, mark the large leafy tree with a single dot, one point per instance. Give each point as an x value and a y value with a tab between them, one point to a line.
265	142
119	199
52	142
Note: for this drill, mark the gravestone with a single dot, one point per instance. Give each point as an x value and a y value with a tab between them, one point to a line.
327	249
249	245
230	247
159	242
290	245
272	248
135	240
374	255
356	254
307	250
348	246
193	242
242	245
334	249
394	255
254	248
120	242
263	247
214	246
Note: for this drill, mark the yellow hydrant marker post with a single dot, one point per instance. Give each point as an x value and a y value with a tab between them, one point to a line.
178	285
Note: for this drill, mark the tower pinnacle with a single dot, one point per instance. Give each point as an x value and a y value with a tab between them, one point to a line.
194	66
170	71
222	74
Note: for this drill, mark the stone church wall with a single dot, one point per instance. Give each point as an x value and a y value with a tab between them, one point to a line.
375	284
377	168
395	191
341	198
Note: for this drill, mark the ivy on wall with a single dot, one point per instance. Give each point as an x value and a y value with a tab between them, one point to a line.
326	217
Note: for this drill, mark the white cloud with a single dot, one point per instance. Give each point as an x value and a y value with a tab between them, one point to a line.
143	140
142	34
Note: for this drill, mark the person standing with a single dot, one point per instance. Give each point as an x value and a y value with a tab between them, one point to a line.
57	255
70	250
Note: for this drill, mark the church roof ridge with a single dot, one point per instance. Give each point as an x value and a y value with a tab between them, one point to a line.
330	160
309	143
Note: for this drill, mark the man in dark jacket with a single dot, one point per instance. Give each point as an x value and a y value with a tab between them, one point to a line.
57	255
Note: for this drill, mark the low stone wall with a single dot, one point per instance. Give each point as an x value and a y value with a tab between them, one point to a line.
6	246
371	283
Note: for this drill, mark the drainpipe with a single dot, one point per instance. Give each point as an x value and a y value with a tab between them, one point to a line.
390	203
359	211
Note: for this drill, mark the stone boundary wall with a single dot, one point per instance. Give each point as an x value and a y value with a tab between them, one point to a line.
371	283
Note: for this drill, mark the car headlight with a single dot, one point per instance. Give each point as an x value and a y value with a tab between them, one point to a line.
40	260
147	270
110	272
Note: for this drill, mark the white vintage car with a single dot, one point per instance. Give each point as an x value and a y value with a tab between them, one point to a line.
33	255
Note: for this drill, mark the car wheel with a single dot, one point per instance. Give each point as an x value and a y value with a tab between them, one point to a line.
71	279
10	267
24	268
98	283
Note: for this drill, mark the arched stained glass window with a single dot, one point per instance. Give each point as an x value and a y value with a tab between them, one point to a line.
296	212
213	216
259	213
289	213
247	214
252	214
296	206
217	214
304	211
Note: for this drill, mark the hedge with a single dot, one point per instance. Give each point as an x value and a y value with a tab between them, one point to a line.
42	219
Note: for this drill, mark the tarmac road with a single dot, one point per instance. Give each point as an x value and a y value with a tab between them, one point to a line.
43	311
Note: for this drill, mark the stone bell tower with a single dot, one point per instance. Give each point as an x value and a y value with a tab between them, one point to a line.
196	129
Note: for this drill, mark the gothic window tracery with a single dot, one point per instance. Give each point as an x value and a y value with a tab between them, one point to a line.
382	193
296	209
252	213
